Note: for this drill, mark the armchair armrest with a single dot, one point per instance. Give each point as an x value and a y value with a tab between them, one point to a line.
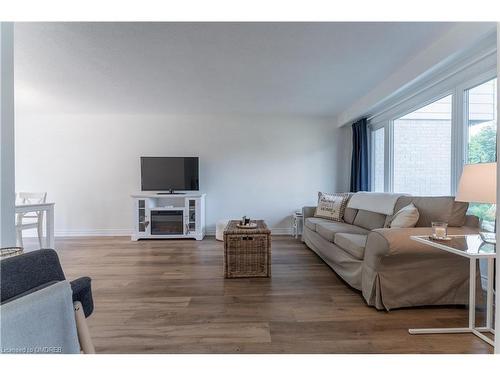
308	211
82	292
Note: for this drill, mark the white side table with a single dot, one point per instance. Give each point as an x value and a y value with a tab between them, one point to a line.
298	224
472	247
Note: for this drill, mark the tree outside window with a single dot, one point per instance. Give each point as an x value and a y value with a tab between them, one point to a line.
482	129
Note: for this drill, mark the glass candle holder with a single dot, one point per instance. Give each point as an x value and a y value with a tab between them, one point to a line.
439	230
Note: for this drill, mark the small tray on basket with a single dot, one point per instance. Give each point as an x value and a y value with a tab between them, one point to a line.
247	226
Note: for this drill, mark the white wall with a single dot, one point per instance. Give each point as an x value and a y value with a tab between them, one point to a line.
7	213
261	166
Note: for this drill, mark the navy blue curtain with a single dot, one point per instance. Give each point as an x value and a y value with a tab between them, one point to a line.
359	163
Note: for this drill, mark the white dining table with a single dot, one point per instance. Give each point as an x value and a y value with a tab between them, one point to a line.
48	208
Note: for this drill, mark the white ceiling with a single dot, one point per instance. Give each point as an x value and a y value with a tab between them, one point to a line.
257	68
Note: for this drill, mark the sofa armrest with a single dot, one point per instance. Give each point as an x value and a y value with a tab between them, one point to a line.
388	242
308	211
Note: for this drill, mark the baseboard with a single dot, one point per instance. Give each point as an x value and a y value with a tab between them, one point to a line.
93	233
282	231
128	232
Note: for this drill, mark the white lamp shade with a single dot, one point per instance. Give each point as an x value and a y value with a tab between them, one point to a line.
478	183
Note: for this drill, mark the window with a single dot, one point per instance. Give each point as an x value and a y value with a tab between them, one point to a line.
422	137
378	160
422	150
481	120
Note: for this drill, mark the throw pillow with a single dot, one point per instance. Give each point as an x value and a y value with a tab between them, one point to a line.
331	206
406	217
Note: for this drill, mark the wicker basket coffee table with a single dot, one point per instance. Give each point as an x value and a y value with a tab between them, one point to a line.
247	252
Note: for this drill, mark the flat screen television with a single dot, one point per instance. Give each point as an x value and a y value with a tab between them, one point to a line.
169	173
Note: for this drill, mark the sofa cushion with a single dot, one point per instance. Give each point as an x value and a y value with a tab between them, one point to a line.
328	229
435	209
458	214
353	244
312	221
369	220
350	215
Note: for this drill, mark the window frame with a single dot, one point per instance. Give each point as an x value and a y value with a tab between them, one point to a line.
457	87
477	81
372	153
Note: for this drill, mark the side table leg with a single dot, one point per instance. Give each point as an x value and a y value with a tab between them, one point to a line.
489	295
472	293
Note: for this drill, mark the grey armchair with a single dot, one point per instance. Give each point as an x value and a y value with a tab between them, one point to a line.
30	272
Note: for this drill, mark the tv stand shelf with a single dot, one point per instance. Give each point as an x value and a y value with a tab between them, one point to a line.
165	215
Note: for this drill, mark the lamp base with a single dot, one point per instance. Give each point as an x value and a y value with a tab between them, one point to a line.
488	237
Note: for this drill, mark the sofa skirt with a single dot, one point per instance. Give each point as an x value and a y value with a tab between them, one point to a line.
344	265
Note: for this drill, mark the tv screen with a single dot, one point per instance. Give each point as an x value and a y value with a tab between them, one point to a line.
169	173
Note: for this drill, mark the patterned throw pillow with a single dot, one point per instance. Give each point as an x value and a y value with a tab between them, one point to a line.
331	206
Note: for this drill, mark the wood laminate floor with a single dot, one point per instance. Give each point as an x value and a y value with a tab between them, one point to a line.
171	297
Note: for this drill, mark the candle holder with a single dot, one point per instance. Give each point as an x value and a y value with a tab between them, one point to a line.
440	230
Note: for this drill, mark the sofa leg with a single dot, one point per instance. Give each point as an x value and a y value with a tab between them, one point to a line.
83	330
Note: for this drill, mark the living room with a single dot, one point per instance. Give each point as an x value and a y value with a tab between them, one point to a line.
249	187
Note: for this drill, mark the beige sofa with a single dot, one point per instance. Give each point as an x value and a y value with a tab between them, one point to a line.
389	268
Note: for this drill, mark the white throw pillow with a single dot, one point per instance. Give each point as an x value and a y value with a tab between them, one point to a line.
406	217
331	206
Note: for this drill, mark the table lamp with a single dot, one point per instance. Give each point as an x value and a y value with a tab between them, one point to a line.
478	184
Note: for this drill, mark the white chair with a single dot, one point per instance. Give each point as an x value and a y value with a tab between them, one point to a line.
29	220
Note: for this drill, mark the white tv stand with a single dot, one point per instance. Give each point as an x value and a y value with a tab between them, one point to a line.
164	216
